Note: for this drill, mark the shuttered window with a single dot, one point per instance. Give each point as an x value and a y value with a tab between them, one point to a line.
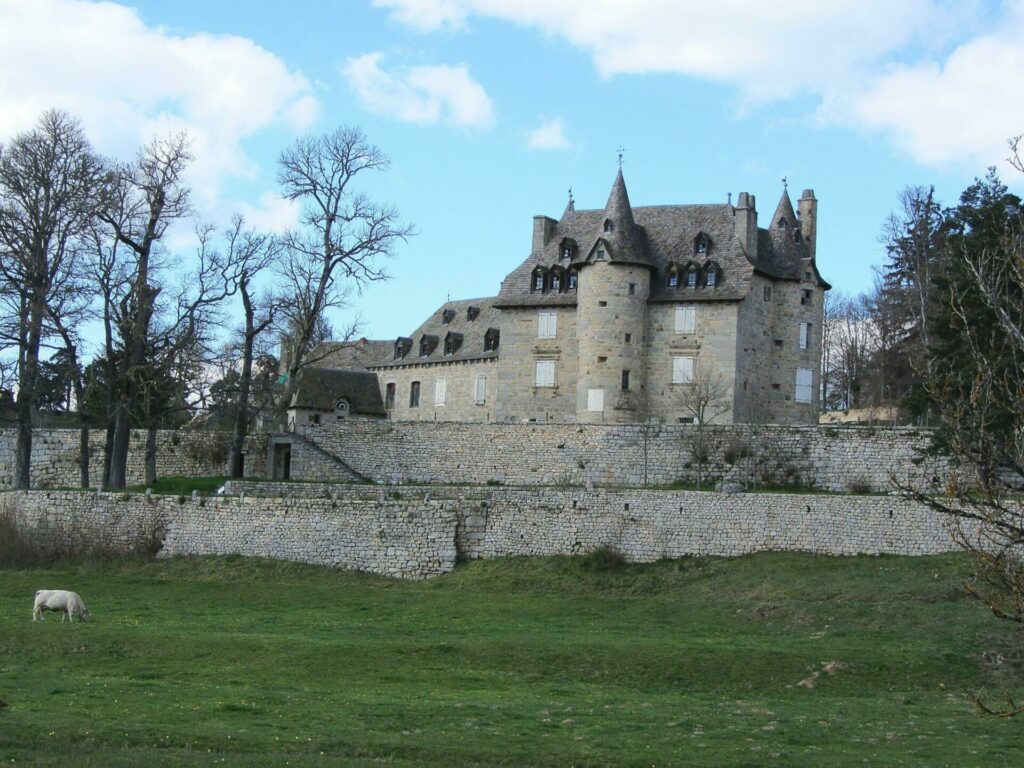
440	391
804	384
682	369
480	390
545	373
595	399
686	319
547	325
805	335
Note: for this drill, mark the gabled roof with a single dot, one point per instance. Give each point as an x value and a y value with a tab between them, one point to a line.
321	388
358	354
472	346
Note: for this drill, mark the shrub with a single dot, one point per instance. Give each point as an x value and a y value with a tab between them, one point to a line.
735	451
604	558
858	485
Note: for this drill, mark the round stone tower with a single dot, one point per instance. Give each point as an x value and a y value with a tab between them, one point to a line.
611	311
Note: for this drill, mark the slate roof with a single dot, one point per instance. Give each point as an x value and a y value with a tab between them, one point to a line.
664	234
472	346
359	354
321	388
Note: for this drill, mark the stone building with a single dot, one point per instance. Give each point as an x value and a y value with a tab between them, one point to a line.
618	312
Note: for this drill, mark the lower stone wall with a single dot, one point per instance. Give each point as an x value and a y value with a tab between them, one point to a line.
403	540
55	456
828	458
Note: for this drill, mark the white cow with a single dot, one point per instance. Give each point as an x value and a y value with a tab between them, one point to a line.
59	600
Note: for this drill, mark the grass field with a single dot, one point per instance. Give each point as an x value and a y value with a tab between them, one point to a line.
773	659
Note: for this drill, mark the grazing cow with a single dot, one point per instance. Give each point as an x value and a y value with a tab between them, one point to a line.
59	600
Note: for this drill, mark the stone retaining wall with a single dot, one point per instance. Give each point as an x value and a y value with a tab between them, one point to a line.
179	452
828	458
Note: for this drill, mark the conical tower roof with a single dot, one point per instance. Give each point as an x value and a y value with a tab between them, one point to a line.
618	209
618	229
784	211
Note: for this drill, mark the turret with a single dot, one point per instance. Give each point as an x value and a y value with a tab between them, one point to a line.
809	220
784	217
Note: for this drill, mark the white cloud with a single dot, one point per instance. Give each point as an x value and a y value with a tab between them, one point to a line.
549	135
960	110
421	94
930	74
272	213
128	82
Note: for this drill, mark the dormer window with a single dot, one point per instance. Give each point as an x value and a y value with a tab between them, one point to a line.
783	224
701	244
571	280
452	342
472	313
447	316
537	281
607	226
491	340
710	275
691	277
555	280
402	347
567	249
428	343
672	277
599	256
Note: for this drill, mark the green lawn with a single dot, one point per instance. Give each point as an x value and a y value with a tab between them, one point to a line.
695	662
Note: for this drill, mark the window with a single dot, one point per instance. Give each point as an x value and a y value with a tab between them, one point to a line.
389	395
625	379
447	316
556	281
702	244
602	303
480	390
691	278
545	373
315	418
607	226
805	296
566	252
682	369
710	277
632	289
491	339
595	400
805	335
567	248
602	359
783	224
537	282
629	337
402	347
686	319
807	276
572	279
767	293
672	278
452	342
472	313
600	255
804	381
414	395
427	344
440	391
341	409
547	323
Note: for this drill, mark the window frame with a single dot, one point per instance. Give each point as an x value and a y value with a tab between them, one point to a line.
685	376
547	380
547	324
685	319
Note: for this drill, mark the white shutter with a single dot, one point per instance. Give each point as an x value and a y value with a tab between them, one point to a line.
595	399
804	383
805	332
545	373
547	325
682	370
480	391
440	390
686	319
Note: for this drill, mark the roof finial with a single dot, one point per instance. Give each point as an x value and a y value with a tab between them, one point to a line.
620	150
785	184
571	201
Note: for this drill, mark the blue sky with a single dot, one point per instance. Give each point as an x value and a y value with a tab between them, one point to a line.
490	110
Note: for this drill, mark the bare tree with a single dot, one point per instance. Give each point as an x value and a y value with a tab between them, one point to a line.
704	399
48	182
142	199
831	313
343	238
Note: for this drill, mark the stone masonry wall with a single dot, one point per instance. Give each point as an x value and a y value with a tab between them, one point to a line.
411	540
55	456
832	459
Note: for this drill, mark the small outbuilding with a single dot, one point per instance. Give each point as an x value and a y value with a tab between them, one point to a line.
330	394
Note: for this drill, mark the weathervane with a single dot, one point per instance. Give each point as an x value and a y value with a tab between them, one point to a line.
785	183
620	150
571	201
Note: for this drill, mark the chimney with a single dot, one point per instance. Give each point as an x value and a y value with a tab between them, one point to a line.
808	207
745	214
543	226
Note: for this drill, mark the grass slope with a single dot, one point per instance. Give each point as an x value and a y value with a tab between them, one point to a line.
553	662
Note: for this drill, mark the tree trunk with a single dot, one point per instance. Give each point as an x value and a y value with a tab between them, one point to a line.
150	455
83	455
235	468
108	450
119	447
28	375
